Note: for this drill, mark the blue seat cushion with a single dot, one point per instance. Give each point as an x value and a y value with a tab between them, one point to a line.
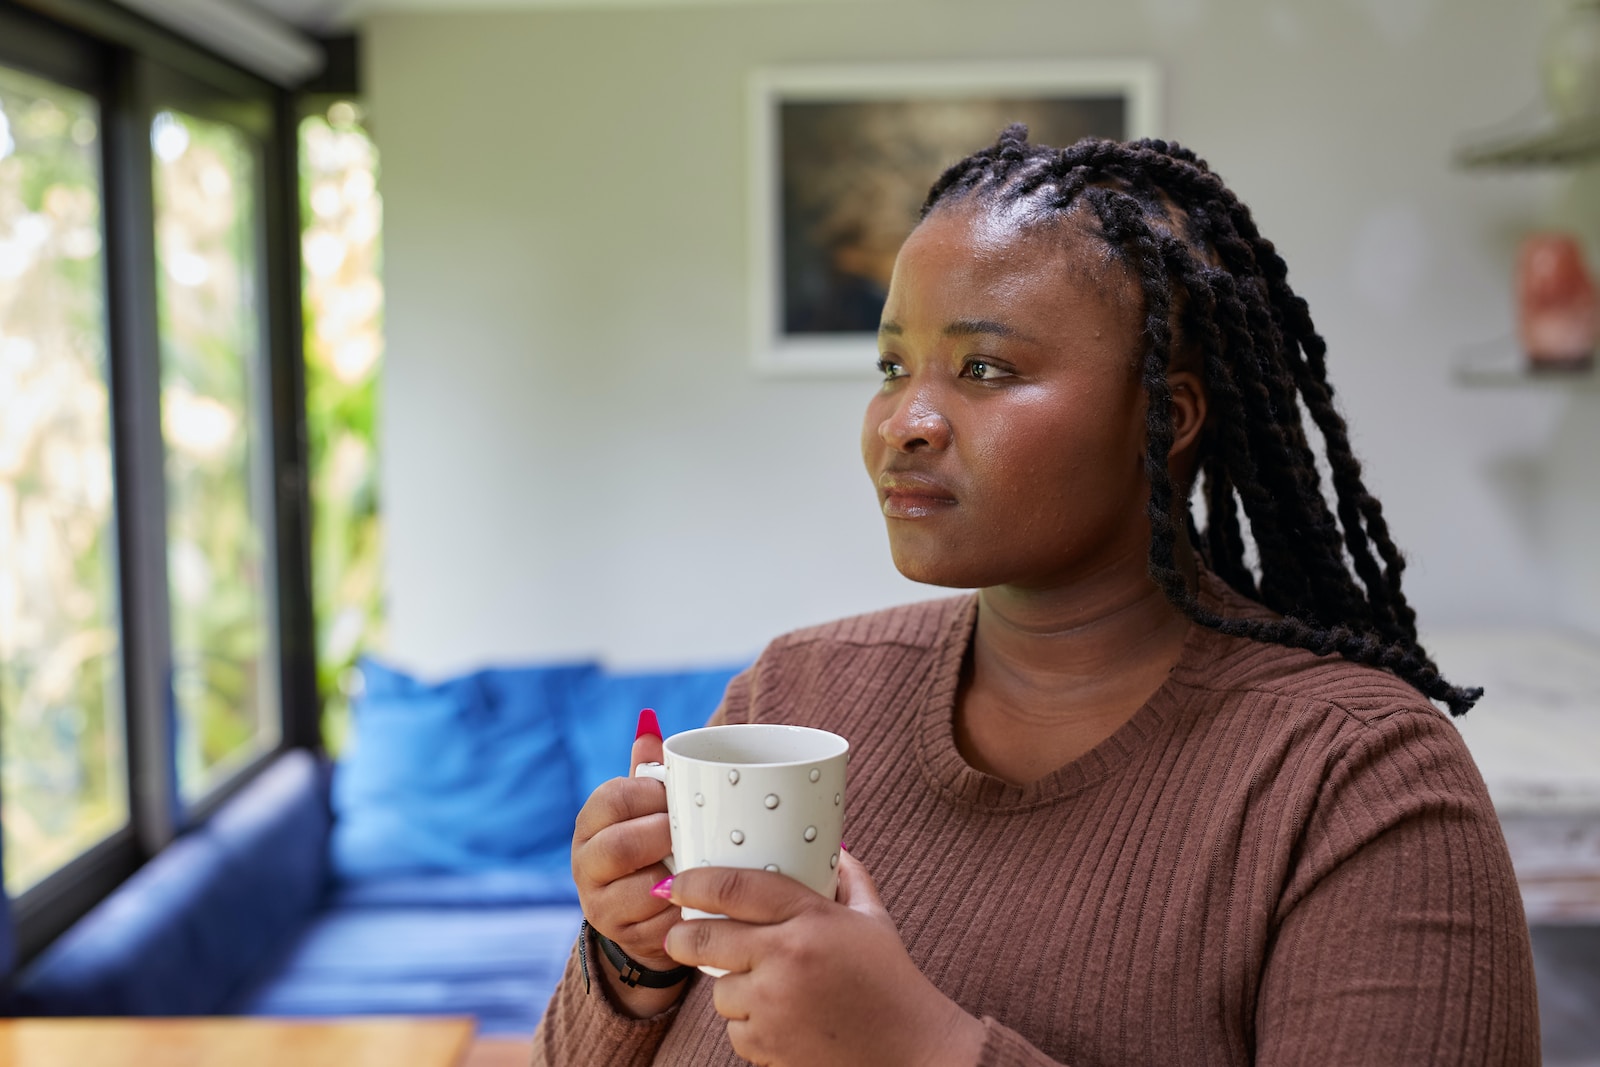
7	948
468	774
499	963
519	887
194	925
274	834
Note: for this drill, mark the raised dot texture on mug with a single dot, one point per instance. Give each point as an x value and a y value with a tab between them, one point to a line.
733	777
816	774
811	833
837	799
773	867
771	801
737	837
833	861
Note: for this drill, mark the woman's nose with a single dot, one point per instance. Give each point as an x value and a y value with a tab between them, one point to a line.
915	423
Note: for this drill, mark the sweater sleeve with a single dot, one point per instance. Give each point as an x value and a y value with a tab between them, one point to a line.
580	1028
1400	937
1004	1047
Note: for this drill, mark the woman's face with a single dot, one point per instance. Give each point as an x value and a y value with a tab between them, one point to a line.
1007	440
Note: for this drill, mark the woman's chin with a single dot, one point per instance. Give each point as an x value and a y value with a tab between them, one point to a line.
944	573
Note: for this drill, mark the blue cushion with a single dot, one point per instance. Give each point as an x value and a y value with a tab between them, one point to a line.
194	924
155	947
495	888
275	836
471	773
600	735
7	948
499	964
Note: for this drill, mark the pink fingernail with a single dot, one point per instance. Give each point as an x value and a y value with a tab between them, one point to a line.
842	847
662	890
648	726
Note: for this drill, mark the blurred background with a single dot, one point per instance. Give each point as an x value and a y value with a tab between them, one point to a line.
576	454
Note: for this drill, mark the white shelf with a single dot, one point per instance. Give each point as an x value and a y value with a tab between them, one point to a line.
1506	368
1565	144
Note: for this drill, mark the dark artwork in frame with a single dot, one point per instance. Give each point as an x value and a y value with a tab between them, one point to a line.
853	176
842	158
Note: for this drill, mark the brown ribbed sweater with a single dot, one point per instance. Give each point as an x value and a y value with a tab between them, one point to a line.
1280	859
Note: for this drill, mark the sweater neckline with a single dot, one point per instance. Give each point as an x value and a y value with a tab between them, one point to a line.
948	771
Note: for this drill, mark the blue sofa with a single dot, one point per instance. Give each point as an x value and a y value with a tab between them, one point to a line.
426	873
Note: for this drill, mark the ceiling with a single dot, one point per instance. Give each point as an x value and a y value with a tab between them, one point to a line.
321	15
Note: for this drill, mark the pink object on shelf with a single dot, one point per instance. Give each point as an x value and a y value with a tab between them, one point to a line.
1558	308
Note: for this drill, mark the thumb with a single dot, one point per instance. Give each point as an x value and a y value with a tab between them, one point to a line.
646	741
856	889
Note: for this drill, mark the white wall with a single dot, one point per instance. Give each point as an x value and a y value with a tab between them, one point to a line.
578	458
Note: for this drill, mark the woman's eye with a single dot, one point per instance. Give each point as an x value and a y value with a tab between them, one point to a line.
889	369
984	371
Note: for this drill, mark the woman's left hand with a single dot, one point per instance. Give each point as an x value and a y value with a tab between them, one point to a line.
813	980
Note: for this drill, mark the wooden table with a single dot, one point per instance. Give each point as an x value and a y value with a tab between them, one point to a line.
500	1052
235	1042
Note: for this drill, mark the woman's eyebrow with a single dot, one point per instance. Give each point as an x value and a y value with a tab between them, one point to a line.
962	328
967	327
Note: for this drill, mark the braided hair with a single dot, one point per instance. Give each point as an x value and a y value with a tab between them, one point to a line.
1211	284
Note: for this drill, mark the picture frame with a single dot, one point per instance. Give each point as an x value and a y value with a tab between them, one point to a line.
841	158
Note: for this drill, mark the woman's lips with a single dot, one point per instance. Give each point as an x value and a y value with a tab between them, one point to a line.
913	497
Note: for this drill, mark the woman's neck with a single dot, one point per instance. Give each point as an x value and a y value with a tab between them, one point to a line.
1053	673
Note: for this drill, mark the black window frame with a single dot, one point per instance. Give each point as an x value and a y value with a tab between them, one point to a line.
133	68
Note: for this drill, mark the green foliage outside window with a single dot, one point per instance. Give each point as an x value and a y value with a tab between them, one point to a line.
62	753
343	301
62	772
213	418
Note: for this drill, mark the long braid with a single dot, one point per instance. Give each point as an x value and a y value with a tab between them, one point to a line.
1122	222
1293	480
1224	540
1125	226
1306	351
1261	458
1194	247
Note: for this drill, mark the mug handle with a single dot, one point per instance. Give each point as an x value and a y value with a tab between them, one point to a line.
658	771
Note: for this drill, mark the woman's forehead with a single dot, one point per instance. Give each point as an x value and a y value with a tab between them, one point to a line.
1063	255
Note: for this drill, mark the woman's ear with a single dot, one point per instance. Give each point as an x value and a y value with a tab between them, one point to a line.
1188	418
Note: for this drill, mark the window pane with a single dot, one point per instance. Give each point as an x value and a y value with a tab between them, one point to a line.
63	773
343	299
218	460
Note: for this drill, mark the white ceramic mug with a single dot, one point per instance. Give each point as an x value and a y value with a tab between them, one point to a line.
755	795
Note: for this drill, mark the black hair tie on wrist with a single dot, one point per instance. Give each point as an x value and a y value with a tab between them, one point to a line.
631	973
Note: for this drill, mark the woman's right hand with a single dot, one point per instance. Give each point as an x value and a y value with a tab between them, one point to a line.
622	835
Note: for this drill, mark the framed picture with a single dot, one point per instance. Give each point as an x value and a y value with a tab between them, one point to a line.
842	157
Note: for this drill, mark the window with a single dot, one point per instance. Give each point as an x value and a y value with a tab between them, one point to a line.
156	642
64	776
218	472
341	243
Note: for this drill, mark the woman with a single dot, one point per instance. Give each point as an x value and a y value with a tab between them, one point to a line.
1160	792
